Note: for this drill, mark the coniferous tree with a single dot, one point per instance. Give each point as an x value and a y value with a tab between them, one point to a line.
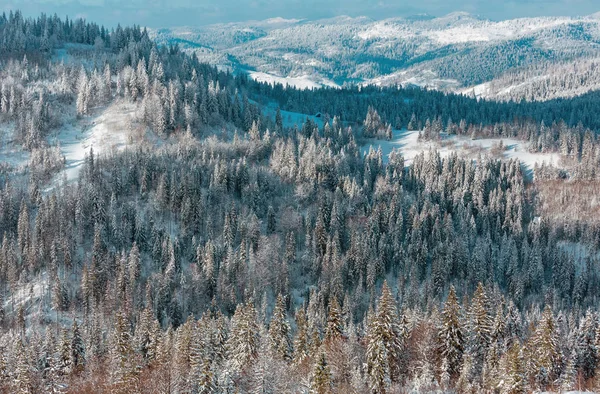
77	355
123	368
451	334
321	376
279	332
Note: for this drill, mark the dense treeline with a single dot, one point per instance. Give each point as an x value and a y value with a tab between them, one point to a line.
276	259
397	105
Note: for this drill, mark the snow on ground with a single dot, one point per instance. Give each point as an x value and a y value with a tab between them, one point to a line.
384	30
300	82
481	90
104	132
408	144
421	78
494	89
26	294
494	31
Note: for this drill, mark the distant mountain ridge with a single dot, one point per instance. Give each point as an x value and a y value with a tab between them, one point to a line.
457	52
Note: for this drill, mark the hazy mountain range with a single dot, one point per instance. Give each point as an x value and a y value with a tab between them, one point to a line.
520	58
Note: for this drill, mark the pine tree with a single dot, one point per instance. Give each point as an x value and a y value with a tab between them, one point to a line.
202	359
243	341
77	349
321	377
385	342
481	327
516	380
302	338
335	324
450	334
123	368
378	368
587	356
134	264
83	93
279	332
548	359
22	380
278	121
181	365
206	379
65	363
568	378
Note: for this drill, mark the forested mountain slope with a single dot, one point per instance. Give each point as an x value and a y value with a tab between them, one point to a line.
204	243
457	52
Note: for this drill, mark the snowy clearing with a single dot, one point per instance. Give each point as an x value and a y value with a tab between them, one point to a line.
407	142
300	82
109	130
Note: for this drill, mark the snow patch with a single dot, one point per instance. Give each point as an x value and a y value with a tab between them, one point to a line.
407	142
300	82
382	30
420	78
105	132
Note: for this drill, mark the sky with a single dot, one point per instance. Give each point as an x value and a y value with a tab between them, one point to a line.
170	13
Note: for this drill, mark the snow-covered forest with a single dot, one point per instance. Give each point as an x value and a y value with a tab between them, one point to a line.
167	227
523	58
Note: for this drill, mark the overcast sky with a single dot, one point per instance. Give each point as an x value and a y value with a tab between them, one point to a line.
169	13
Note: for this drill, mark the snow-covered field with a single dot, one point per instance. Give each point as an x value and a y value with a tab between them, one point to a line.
407	142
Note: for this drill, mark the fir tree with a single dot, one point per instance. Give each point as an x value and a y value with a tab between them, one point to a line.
334	328
279	332
321	377
123	368
77	355
450	334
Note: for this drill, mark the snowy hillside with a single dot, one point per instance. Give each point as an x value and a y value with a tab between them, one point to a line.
457	52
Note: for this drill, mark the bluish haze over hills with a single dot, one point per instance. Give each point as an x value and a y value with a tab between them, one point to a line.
168	13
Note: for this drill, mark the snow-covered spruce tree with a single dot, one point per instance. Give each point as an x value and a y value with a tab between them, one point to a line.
22	380
302	338
335	327
77	350
546	354
451	336
385	342
244	339
587	354
123	364
515	381
279	332
480	328
321	376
